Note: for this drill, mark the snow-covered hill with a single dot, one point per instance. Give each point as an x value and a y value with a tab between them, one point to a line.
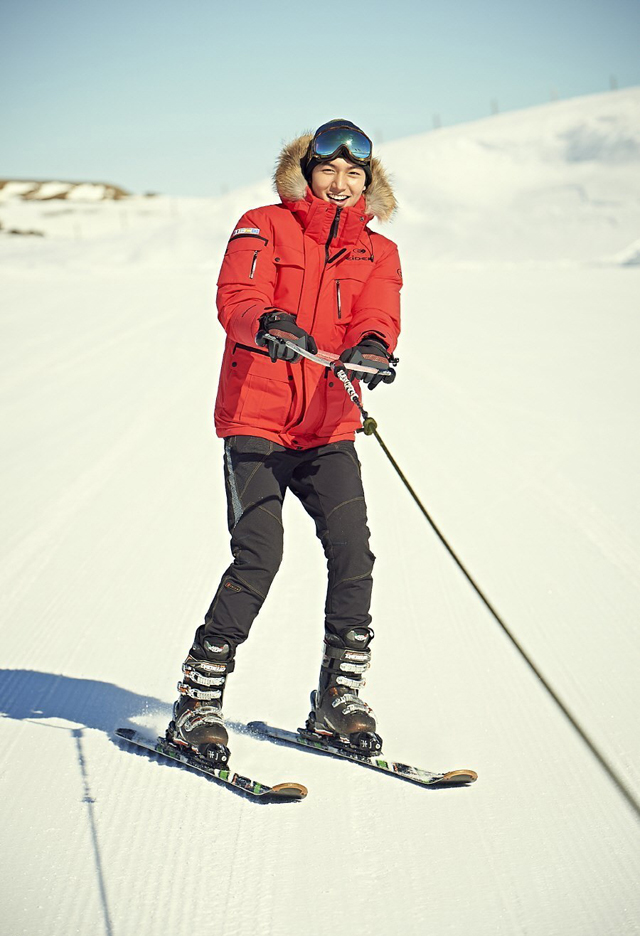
559	182
555	183
515	417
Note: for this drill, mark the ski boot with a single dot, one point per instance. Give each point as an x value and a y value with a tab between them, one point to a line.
197	723
338	715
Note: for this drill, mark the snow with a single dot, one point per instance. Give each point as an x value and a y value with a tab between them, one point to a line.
52	190
557	182
630	256
42	191
88	191
16	189
514	416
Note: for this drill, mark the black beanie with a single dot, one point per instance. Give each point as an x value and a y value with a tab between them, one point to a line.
309	162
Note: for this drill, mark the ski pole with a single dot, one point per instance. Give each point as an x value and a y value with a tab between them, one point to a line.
370	427
328	359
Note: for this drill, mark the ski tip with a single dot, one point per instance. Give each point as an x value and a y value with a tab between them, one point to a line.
256	726
126	733
460	776
292	791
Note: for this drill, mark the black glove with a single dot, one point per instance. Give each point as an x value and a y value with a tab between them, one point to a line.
283	326
372	353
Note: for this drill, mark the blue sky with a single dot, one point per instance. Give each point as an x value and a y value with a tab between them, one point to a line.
195	99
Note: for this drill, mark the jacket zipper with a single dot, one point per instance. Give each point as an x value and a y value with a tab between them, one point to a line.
338	298
253	265
334	227
238	236
333	232
247	348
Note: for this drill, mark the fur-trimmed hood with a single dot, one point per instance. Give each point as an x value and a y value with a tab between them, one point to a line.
291	185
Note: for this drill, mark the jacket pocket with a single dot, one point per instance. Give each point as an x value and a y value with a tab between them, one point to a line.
347	289
289	264
242	260
341	414
264	392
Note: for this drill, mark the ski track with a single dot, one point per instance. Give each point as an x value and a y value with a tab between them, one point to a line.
532	845
540	845
514	417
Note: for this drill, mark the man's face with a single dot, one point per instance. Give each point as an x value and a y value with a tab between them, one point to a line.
339	182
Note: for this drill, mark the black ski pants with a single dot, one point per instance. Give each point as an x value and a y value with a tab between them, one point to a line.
327	482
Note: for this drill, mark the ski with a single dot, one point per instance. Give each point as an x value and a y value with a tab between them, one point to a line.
315	742
278	793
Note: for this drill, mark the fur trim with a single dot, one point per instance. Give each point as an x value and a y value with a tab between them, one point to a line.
291	185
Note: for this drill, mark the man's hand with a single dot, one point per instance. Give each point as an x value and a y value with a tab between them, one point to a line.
372	353
283	326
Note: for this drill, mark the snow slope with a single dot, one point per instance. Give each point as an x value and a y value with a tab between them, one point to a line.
555	182
514	416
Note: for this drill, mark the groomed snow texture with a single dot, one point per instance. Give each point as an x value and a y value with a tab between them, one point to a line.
515	417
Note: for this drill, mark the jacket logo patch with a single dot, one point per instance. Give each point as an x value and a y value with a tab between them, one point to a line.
245	231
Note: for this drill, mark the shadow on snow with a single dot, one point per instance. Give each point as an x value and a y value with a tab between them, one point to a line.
32	695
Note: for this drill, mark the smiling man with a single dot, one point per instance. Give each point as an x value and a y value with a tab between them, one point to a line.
309	272
338	181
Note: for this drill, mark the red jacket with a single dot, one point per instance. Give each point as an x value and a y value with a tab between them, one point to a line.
341	282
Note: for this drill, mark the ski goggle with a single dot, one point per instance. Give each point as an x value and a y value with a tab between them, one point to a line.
327	143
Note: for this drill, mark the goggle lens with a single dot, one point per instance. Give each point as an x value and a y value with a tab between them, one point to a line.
328	142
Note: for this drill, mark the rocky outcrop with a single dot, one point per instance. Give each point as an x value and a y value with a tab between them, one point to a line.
49	189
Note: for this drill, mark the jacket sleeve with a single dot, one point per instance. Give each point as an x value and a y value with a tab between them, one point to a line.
247	278
376	311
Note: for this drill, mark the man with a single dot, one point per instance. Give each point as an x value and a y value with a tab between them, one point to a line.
307	271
